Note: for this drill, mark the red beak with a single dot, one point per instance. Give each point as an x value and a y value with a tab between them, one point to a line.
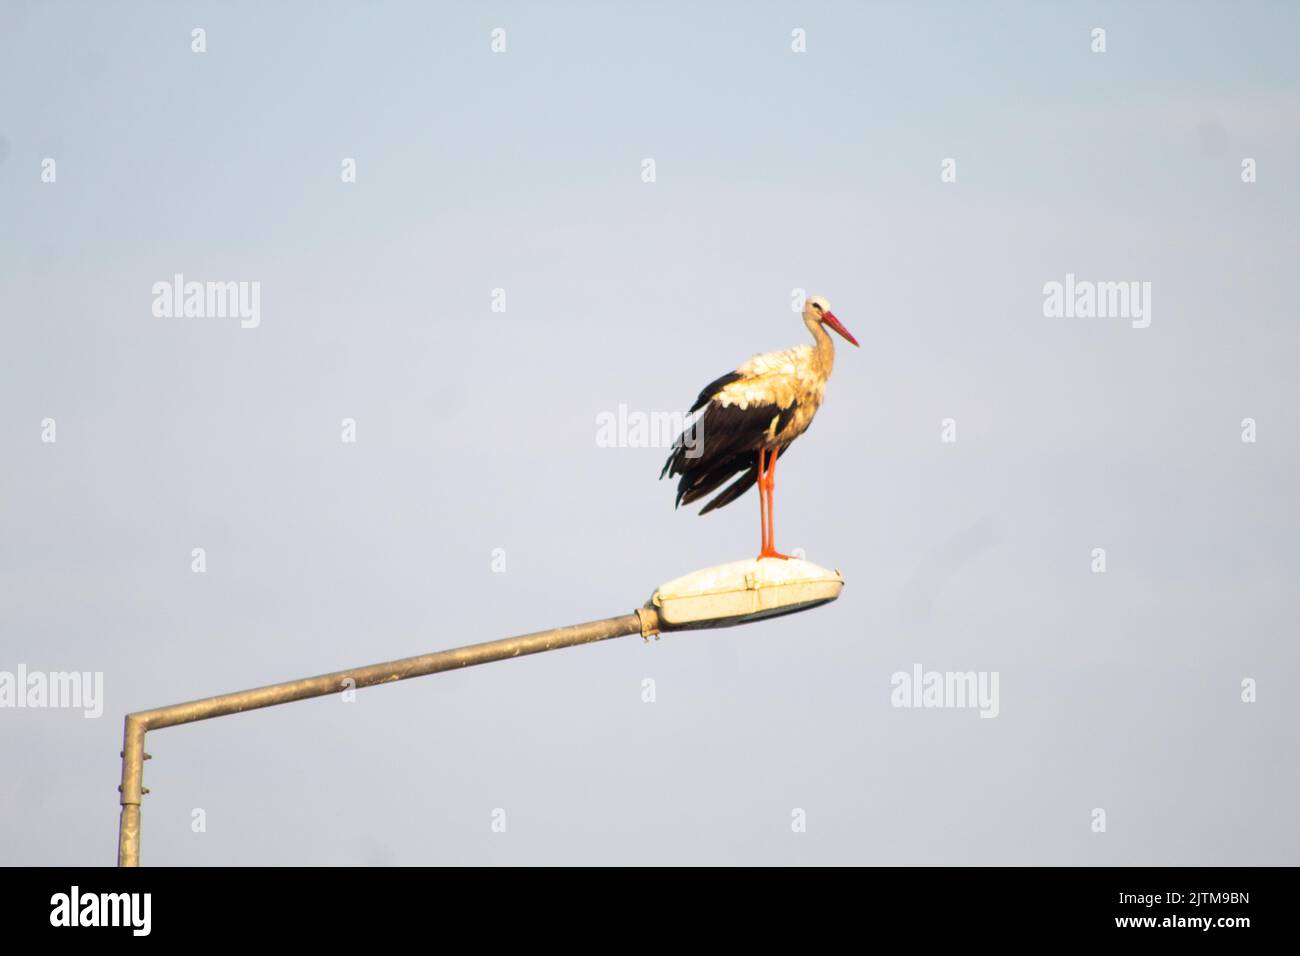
834	323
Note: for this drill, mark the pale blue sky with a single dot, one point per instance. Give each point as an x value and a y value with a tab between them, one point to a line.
477	430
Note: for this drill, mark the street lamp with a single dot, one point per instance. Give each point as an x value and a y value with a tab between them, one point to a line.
723	596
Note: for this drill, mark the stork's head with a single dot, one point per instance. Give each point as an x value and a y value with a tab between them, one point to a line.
817	309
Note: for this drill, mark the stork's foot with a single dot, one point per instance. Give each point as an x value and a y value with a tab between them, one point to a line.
773	553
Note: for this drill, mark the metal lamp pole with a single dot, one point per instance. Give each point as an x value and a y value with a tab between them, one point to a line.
722	596
643	621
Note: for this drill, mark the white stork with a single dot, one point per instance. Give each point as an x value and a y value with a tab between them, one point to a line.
750	416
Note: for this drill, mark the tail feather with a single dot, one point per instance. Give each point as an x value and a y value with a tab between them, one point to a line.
733	490
700	482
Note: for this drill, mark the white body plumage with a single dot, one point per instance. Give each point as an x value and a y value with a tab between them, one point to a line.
779	381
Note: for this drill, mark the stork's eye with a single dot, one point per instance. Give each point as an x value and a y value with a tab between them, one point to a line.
817	307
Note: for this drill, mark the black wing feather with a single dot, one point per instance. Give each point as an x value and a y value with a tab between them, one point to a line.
713	388
747	480
722	444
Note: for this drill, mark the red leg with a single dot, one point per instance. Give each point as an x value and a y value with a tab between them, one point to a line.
769	480
762	501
